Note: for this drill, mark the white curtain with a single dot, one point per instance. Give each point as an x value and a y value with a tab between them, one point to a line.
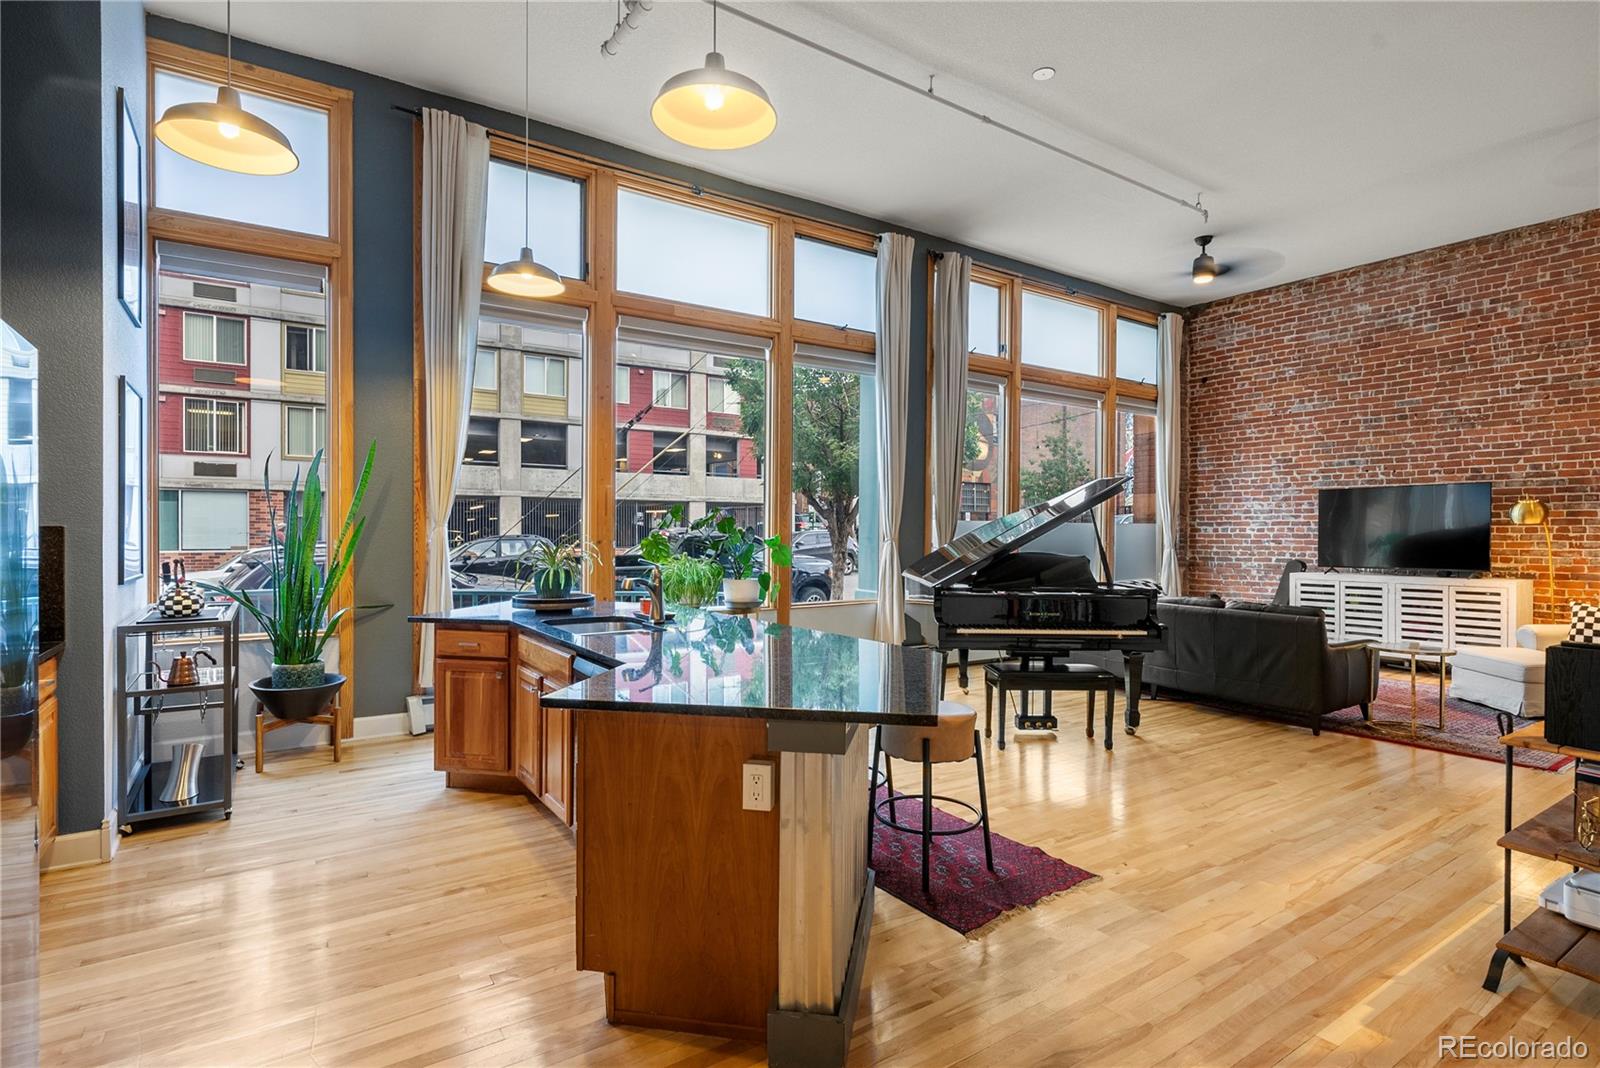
894	369
1169	450
455	191
949	389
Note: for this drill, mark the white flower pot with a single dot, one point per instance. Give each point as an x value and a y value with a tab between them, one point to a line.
741	593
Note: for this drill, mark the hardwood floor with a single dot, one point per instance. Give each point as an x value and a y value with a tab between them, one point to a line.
1266	897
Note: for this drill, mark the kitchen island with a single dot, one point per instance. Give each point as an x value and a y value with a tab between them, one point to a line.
714	769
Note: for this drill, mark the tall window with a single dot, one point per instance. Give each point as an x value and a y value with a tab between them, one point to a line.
1059	334
982	457
305	430
213	425
305	348
835	468
835	285
1059	435
213	339
1134	510
685	253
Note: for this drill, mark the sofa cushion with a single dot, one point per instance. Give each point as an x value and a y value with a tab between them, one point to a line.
1518	665
1210	600
1273	609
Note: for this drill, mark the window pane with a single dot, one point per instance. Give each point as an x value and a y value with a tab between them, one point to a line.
555	376
677	252
1134	509
983	320
722	457
486	371
1058	438
483	442
544	444
214	520
199	335
1138	358
982	489
669	452
1060	334
221	429
471	519
555	218
834	469
670	390
835	285
294	201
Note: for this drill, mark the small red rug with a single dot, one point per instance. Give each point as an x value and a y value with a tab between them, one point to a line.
1469	729
963	894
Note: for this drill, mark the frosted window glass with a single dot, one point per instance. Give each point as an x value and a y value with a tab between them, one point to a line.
1060	334
1138	359
295	201
555	218
983	320
834	285
677	252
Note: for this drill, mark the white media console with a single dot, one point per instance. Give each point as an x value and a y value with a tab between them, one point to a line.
1456	612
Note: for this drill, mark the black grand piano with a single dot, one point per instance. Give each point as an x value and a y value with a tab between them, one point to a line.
989	594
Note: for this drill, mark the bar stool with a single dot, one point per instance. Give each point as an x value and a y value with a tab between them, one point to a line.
953	740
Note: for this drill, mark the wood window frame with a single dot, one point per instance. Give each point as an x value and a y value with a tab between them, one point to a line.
333	253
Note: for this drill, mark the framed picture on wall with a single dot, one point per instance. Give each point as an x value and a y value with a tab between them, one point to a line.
130	213
130	480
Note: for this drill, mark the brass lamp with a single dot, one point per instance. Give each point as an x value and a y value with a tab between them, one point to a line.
1530	512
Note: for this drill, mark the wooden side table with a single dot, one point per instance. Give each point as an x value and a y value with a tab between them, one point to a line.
266	724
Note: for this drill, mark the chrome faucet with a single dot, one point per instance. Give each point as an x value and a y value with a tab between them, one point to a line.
658	611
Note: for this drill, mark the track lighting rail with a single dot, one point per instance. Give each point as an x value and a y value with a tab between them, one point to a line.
628	16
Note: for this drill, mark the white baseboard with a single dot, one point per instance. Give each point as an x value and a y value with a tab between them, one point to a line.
81	848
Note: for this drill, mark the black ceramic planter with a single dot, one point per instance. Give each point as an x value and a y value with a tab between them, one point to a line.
297	702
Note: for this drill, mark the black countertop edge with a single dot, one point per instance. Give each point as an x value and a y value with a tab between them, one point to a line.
51	651
777	712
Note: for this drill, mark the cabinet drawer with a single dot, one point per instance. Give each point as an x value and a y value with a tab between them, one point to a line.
554	664
479	643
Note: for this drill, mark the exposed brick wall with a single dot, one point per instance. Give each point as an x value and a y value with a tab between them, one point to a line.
1478	361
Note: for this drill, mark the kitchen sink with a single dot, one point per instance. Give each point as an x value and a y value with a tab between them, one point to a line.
605	625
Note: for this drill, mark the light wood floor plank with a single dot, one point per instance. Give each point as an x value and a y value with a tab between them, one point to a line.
1265	897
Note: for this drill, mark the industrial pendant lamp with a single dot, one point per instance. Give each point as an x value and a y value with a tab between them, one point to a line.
224	134
1204	270
712	106
525	276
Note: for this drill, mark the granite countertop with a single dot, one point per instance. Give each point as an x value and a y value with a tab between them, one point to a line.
712	664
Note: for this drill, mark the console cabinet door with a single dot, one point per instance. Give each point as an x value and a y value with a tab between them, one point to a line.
556	748
472	728
526	730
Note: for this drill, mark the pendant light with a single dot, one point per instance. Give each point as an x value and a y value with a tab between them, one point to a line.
525	276
224	134
1204	270
712	106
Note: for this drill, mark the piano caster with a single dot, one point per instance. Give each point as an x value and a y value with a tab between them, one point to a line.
1130	730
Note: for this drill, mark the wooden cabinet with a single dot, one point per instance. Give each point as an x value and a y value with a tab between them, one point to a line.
525	730
45	780
556	750
471	715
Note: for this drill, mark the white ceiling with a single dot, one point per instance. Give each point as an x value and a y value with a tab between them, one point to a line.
1321	135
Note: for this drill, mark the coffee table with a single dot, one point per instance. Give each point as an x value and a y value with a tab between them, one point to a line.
1413	652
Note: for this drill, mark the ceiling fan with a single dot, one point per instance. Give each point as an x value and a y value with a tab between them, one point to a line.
1246	263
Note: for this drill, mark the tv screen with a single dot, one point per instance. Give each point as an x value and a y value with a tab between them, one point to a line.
1443	527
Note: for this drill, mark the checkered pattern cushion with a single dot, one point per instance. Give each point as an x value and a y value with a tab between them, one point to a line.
1585	623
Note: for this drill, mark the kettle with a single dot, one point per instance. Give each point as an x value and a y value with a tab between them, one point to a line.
179	597
184	670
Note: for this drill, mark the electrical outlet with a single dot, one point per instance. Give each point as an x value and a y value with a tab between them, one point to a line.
758	785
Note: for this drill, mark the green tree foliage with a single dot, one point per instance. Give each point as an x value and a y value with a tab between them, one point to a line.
1058	466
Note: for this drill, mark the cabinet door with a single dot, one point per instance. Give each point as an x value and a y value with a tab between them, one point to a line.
556	748
472	716
46	776
525	730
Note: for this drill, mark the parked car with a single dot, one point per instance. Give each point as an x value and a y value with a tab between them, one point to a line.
505	555
818	542
250	570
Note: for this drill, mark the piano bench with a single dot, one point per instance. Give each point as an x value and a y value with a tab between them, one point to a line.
1057	678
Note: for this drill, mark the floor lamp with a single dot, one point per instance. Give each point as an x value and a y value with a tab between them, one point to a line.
1530	512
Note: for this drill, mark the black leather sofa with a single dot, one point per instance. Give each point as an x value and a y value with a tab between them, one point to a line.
1268	656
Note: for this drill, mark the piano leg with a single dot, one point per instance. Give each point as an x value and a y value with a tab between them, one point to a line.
962	656
1133	668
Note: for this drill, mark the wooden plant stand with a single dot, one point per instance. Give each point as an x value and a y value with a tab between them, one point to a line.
266	724
1544	936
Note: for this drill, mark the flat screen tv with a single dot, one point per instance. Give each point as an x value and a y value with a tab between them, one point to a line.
1442	527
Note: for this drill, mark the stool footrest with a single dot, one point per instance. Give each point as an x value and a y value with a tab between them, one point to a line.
976	822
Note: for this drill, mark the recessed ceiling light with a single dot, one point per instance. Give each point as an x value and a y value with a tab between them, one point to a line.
1044	74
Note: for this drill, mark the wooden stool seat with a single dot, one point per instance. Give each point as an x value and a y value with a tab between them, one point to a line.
266	724
1053	678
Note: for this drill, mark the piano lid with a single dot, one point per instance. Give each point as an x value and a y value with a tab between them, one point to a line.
957	560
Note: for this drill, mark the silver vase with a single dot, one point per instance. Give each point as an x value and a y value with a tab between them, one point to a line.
183	774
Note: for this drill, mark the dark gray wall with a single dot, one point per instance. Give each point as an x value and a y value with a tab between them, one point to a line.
60	66
383	284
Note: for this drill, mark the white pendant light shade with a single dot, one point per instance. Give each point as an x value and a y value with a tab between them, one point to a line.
227	136
714	107
525	277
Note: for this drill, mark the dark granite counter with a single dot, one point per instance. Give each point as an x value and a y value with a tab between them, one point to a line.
711	664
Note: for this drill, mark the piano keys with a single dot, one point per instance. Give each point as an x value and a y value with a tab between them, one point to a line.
990	595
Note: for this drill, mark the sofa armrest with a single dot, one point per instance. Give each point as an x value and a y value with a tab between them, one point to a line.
1540	636
1349	675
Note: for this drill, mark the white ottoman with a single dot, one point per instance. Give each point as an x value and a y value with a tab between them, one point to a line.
1511	680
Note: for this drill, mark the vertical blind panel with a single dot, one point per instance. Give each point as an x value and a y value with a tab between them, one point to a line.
197	337
230	340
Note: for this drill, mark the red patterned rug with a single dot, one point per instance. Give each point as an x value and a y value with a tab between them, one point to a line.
1469	729
963	894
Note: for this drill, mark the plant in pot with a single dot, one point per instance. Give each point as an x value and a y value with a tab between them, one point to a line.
691	581
556	568
738	547
295	614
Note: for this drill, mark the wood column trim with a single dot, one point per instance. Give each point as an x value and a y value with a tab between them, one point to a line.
600	463
780	400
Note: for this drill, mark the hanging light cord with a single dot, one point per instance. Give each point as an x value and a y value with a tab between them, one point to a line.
527	57
229	21
867	68
713	25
